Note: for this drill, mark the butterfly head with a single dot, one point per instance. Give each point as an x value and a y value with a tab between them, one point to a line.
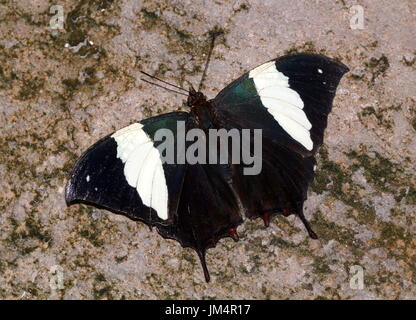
195	98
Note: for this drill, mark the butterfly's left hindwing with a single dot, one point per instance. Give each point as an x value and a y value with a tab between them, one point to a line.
124	173
207	211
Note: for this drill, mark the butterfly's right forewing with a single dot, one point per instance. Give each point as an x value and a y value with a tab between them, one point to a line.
289	100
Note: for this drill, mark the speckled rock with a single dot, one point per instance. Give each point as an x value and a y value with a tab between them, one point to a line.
63	89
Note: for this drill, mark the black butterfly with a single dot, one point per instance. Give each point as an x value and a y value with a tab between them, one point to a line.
288	98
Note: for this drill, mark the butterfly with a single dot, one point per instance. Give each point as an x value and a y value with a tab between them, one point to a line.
197	204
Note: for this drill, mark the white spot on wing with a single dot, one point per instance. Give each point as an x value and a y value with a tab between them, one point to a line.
282	102
87	178
320	71
143	167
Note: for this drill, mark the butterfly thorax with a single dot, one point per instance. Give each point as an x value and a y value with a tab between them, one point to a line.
200	108
196	98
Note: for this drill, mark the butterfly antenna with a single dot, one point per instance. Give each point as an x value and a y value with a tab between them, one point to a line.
158	85
211	48
165	82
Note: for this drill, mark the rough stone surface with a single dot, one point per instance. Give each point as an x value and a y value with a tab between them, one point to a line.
61	90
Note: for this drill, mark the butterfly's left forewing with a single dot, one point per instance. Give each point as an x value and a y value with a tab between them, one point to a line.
124	173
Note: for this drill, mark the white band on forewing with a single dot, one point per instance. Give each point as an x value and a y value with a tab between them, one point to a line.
282	102
143	167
